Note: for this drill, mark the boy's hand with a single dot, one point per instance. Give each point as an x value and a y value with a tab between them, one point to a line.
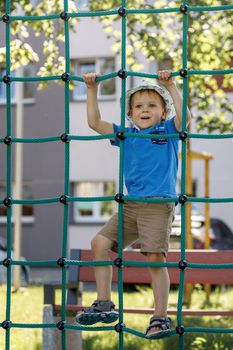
90	80
165	78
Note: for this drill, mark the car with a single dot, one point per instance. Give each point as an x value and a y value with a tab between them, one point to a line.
223	235
220	235
25	272
197	230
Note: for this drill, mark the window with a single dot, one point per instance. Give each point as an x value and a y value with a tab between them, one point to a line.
27	209
94	211
103	66
35	3
82	4
29	88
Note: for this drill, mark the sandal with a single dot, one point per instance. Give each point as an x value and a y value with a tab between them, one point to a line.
164	323
100	311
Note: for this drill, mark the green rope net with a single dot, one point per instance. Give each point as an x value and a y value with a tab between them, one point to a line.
66	199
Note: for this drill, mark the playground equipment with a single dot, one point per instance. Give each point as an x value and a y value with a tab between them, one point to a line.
65	199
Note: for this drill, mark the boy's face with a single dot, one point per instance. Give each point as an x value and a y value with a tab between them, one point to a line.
147	108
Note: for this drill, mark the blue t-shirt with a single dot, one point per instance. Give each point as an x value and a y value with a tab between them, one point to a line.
150	165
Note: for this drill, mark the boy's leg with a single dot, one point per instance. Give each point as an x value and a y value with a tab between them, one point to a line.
101	244
103	274
155	222
102	310
160	286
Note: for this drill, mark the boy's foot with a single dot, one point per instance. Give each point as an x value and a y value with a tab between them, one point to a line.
100	311
159	327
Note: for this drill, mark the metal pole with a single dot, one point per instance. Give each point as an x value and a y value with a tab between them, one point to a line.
18	178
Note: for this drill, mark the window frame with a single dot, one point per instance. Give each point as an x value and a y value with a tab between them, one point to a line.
97	68
96	218
25	219
26	100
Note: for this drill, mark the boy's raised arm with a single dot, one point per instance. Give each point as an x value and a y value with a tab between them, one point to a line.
164	77
93	113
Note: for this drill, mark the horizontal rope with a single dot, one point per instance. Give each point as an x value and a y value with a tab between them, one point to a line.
112	136
115	75
125	263
115	12
208	330
125	198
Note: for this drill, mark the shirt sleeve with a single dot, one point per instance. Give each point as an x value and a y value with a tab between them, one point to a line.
170	126
116	141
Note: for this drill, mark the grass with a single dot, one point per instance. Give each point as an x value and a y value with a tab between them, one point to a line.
27	307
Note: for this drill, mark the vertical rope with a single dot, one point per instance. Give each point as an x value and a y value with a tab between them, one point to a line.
183	174
8	174
121	178
66	167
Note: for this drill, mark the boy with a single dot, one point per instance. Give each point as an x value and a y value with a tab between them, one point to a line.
150	170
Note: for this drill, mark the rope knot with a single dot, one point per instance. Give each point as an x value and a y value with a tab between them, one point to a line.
183	8
122	11
6	18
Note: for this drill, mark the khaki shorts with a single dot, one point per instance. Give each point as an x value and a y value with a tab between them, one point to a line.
149	222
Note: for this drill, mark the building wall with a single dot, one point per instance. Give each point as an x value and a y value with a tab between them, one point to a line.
43	168
220	180
90	160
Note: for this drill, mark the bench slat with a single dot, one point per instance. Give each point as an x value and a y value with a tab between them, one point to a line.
186	312
140	275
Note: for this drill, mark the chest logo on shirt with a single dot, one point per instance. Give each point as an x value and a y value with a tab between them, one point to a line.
159	130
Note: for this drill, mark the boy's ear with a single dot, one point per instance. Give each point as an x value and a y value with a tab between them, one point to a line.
164	116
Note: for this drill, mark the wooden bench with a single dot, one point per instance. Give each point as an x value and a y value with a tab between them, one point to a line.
140	275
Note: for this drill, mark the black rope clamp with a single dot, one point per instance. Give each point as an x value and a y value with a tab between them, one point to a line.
183	8
180	329
65	76
182	264
118	262
6	262
183	72
182	199
6	79
7	140
63	199
6	324
64	16
7	201
6	18
122	11
119	327
183	135
119	198
120	135
61	262
121	73
64	137
61	325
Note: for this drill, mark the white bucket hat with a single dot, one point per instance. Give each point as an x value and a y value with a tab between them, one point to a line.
160	89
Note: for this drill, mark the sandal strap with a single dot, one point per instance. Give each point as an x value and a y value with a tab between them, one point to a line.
100	306
163	323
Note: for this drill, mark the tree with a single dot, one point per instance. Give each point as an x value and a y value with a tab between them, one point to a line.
51	31
159	37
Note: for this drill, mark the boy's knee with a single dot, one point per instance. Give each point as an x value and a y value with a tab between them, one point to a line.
155	257
100	244
95	243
